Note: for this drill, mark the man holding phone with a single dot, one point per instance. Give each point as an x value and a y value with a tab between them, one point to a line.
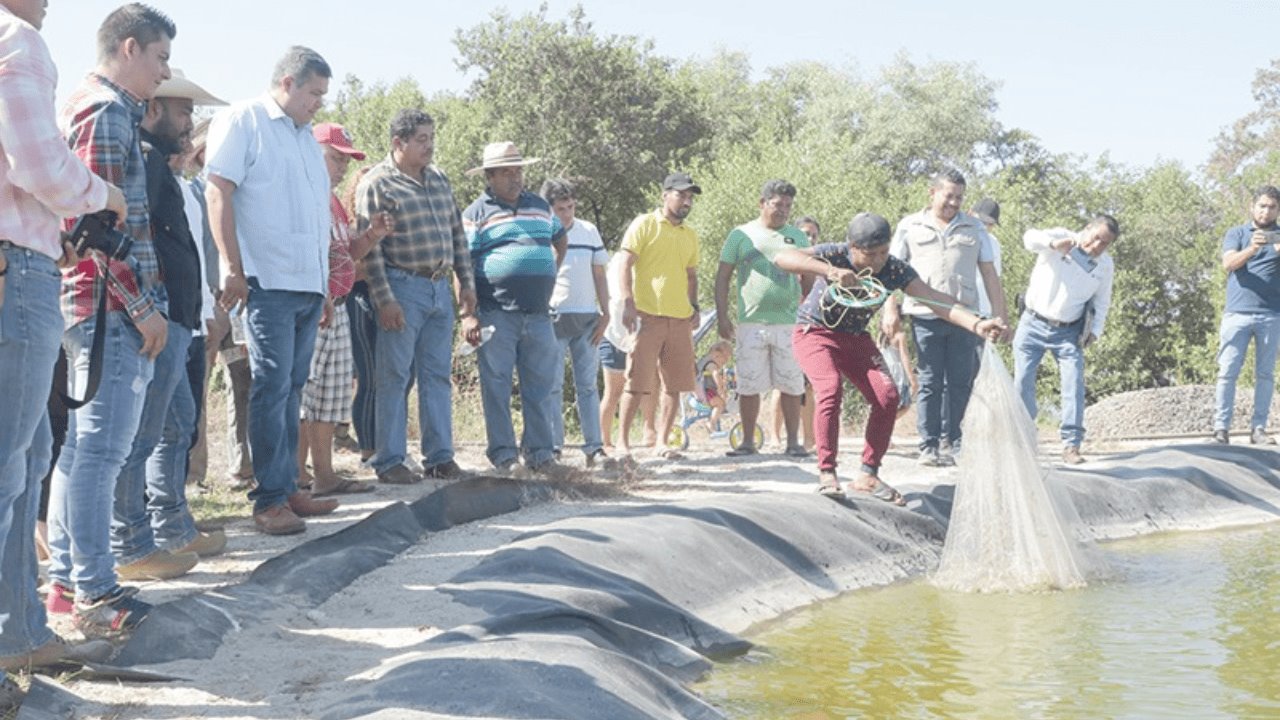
1068	297
1251	257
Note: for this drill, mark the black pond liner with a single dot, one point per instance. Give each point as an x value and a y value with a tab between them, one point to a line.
552	613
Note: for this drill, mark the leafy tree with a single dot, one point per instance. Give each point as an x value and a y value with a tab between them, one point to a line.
605	112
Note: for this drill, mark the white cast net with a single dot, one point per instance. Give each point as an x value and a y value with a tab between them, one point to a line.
1012	526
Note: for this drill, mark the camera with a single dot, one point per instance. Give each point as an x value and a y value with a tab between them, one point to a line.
98	232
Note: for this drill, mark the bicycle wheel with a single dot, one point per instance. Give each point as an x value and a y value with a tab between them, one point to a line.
678	438
735	436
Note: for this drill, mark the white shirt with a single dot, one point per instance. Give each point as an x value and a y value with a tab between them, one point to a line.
575	290
281	201
984	302
195	219
1060	288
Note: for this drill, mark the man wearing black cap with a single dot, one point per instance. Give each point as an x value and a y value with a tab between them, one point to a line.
853	280
659	290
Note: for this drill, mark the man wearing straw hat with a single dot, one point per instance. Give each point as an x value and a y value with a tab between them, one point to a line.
153	535
517	244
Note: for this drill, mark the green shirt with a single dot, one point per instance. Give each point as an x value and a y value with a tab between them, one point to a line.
766	294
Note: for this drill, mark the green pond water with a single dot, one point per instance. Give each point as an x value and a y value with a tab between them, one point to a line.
1186	626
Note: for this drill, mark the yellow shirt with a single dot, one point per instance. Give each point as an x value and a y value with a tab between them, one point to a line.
664	253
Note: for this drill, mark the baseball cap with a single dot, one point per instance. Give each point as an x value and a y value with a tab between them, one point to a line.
680	181
868	230
988	211
336	136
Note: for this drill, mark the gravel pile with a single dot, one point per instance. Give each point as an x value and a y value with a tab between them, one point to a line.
1180	410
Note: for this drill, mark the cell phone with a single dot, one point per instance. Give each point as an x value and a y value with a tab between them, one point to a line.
1273	236
1083	259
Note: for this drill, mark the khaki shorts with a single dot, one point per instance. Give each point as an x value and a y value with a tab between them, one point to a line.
666	344
765	360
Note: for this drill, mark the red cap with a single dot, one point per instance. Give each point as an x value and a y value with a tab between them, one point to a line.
336	136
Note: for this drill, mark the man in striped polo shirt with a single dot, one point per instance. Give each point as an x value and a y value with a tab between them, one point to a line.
517	244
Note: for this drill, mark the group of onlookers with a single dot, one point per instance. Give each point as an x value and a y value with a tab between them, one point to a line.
229	240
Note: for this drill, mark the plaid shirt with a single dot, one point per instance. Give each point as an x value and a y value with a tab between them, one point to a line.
40	180
101	122
428	234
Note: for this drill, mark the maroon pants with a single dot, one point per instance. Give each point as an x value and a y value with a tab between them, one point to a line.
826	355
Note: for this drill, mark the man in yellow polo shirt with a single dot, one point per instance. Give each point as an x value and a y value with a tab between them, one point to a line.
660	290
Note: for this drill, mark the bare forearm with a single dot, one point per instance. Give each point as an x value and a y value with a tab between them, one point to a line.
222	223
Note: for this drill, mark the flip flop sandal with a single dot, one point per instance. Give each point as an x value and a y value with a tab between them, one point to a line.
743	451
829	484
797	451
346	487
882	491
671	455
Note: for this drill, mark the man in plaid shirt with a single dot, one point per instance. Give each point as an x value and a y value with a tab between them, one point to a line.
409	283
41	181
100	121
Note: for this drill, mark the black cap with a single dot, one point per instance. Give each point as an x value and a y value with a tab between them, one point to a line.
868	230
988	211
680	181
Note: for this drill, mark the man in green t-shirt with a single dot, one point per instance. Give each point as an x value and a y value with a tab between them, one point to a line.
768	298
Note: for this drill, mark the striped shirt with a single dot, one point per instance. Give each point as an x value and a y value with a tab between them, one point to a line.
100	121
576	282
41	181
511	252
428	227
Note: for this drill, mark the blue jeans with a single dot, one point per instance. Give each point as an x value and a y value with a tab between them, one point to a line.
30	330
99	436
1233	342
282	327
1033	338
946	364
586	365
425	345
149	489
364	340
522	343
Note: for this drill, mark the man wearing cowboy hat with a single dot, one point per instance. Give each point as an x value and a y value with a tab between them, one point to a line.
517	244
152	532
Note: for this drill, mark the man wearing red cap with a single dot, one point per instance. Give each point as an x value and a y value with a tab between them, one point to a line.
326	399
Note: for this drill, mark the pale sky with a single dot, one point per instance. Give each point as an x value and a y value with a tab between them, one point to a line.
1141	80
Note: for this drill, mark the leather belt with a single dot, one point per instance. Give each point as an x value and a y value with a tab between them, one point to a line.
1051	322
435	274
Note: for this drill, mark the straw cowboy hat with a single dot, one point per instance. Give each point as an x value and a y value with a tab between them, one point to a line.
179	86
501	154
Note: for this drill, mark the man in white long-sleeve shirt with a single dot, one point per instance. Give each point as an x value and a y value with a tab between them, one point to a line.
1067	301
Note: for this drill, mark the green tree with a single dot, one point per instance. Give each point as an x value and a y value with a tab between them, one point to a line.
603	111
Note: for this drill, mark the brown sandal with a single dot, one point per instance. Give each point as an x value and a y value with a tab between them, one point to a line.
881	491
829	484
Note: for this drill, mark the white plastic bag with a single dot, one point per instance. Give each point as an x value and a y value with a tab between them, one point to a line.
615	332
893	365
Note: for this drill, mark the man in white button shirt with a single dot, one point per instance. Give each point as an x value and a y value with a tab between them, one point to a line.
268	198
1068	297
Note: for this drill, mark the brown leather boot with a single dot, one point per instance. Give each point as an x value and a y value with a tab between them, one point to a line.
304	505
278	520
